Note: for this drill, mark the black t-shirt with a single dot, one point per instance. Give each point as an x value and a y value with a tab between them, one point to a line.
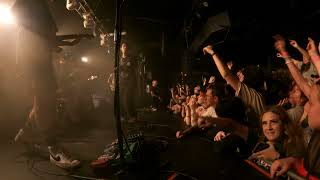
155	91
312	160
35	15
127	69
253	137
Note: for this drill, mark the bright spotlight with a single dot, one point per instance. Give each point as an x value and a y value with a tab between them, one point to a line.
6	16
84	59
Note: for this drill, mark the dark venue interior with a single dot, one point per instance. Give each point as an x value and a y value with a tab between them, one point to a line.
207	89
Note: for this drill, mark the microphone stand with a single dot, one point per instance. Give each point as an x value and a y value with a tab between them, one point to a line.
117	40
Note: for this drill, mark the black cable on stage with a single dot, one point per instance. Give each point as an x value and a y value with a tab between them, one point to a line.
126	142
180	173
31	165
37	170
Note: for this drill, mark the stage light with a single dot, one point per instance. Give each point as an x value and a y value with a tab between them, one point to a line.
93	77
87	16
205	4
6	16
103	39
85	59
123	33
72	5
88	22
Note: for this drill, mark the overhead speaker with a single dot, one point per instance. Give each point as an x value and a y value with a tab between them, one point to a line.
219	22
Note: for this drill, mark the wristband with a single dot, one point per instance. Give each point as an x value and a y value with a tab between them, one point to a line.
213	53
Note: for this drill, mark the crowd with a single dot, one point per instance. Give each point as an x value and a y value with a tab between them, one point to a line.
240	108
284	132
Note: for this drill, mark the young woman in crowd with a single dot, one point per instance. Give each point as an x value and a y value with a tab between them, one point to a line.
281	135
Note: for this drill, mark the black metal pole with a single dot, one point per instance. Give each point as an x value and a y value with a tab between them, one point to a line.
117	40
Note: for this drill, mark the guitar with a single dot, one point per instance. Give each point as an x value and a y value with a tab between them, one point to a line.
111	82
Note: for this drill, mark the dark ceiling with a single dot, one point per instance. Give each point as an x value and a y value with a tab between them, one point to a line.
247	18
182	22
179	25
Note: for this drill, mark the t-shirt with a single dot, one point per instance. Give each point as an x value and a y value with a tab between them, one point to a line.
155	91
127	69
253	101
307	74
312	160
253	137
210	112
295	113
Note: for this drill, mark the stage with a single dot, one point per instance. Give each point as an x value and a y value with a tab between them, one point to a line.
192	157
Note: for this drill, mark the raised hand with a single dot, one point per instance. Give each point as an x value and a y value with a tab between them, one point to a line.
204	81
220	135
212	80
294	43
208	50
283	102
311	47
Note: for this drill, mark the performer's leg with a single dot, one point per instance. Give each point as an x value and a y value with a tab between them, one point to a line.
36	53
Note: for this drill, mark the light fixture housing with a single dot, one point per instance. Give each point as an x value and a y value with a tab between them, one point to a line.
88	24
87	16
72	5
103	39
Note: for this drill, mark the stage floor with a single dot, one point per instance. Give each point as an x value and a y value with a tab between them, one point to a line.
193	156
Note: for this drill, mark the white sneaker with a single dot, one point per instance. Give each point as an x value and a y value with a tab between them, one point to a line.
62	159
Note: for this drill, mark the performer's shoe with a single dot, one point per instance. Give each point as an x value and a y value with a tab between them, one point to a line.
62	159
